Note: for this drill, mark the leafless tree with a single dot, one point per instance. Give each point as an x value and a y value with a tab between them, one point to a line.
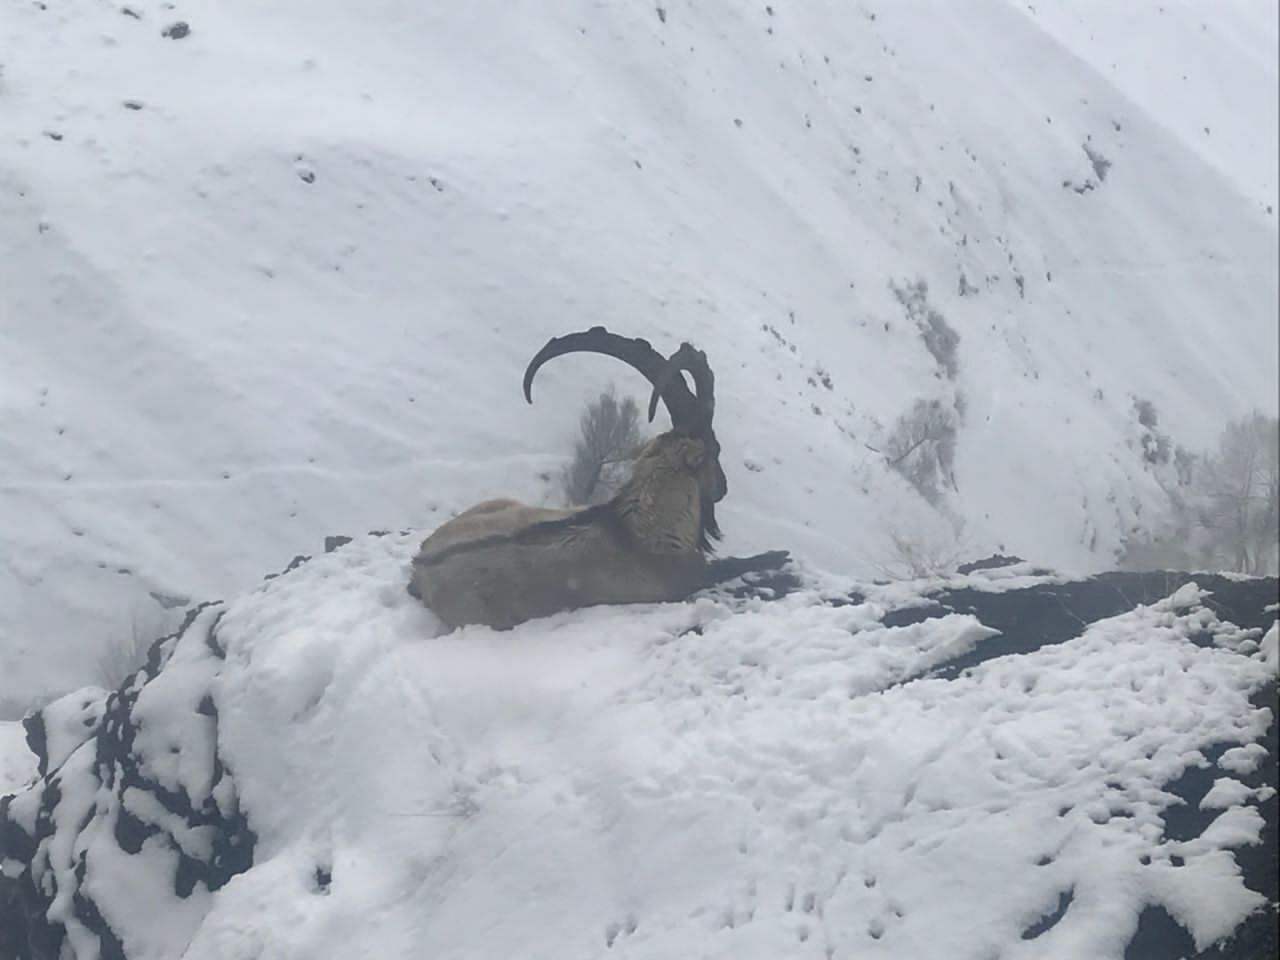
1224	512
1240	497
922	447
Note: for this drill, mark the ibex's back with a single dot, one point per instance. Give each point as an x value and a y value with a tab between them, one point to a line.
502	562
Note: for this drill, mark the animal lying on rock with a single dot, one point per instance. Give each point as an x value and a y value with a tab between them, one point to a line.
503	562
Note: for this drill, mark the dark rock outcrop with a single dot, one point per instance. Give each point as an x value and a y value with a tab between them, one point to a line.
119	772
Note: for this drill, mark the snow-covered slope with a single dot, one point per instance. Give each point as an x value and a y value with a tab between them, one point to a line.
310	771
17	764
278	275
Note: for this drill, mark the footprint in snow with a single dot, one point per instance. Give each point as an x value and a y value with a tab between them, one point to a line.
623	928
303	169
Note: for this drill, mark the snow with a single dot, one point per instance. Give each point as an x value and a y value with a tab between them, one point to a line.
278	278
720	778
1228	792
1243	760
17	763
67	720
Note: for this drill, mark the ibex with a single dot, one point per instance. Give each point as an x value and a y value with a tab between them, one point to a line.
502	562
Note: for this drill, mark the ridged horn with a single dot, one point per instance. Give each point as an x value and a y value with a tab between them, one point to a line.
685	409
704	381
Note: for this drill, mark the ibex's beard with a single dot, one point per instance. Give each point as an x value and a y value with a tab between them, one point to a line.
710	529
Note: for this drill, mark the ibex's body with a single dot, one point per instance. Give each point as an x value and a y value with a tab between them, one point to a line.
502	562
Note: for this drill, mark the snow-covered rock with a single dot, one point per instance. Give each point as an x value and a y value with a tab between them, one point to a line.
1007	762
135	818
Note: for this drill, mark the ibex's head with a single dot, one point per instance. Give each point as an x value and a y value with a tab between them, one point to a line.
691	438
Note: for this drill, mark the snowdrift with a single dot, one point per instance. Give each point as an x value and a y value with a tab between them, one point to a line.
1006	763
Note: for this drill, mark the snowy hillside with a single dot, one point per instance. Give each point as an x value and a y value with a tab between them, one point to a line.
277	273
1013	765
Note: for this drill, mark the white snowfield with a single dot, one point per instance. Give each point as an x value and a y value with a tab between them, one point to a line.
278	277
717	779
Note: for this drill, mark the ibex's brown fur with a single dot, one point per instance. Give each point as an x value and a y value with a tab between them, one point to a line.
502	562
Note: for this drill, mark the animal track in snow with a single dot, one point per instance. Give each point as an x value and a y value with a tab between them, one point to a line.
620	928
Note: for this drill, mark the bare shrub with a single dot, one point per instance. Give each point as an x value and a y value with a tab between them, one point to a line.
921	553
125	653
1145	411
609	435
922	447
940	338
1184	465
1156	445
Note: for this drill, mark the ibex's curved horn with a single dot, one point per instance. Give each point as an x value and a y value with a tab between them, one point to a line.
704	381
684	407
